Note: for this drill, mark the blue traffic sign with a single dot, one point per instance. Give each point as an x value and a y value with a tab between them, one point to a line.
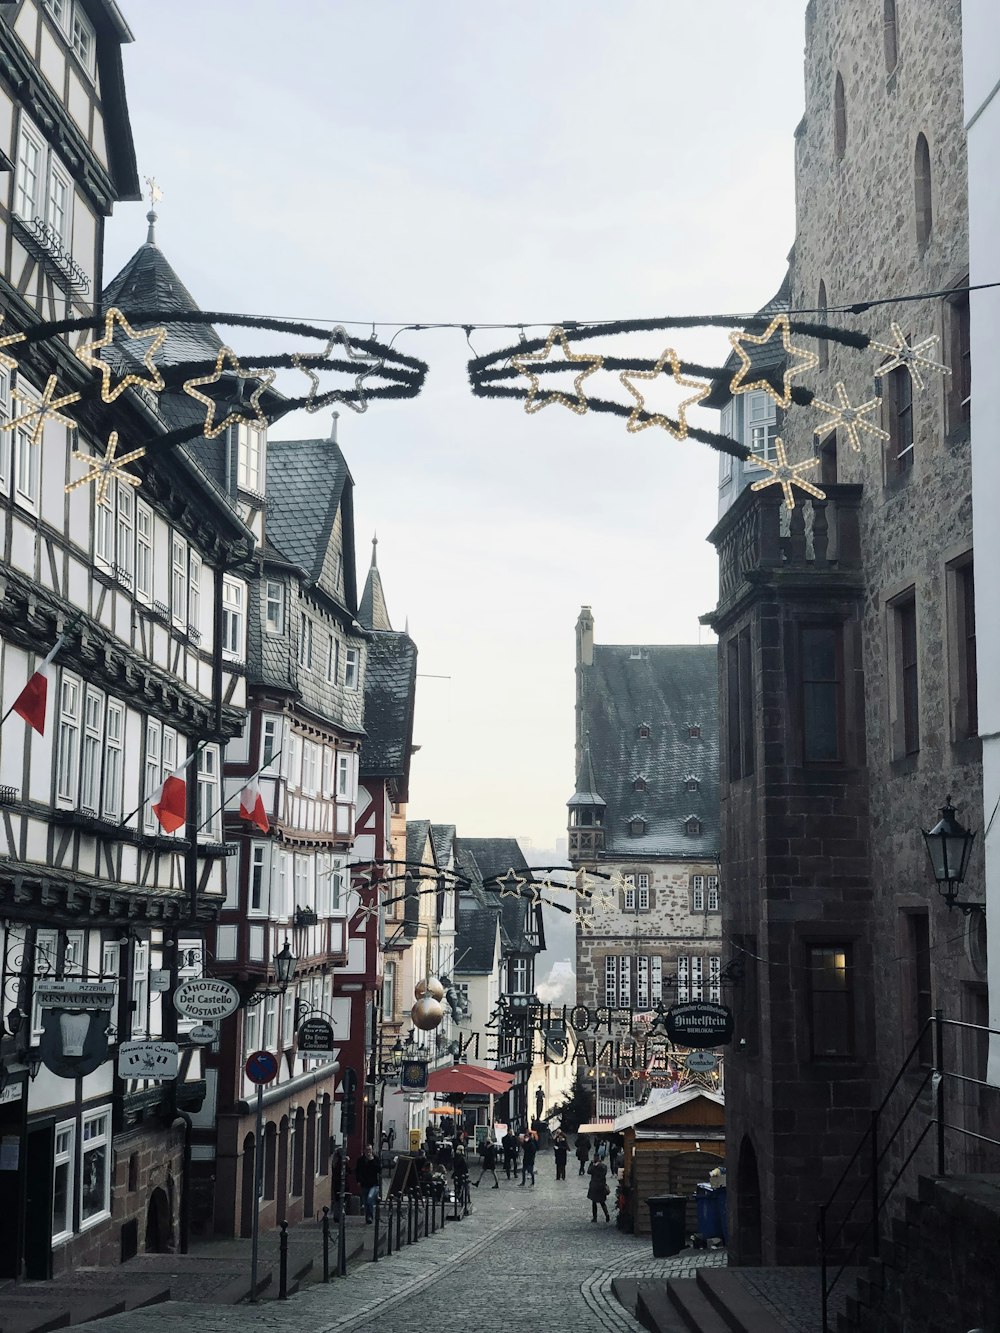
261	1067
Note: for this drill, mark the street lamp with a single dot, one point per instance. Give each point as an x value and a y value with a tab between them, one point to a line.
949	846
284	965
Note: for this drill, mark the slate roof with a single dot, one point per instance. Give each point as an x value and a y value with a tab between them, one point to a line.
442	840
475	941
372	611
416	840
148	282
761	358
670	688
495	856
307	481
390	691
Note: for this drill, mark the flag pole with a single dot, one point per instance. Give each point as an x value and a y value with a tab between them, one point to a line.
50	656
249	778
199	745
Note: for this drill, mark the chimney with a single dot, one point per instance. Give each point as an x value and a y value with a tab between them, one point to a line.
585	637
333	427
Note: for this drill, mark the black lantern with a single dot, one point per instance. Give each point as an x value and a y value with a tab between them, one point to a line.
284	965
949	846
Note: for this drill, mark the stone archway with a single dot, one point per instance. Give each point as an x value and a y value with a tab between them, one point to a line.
248	1191
159	1224
747	1249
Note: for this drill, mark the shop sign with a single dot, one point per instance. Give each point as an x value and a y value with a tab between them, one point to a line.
147	1059
75	994
701	1062
413	1075
315	1037
700	1023
206	997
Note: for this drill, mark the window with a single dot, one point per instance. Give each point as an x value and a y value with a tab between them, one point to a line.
251	453
270	744
83	40
715	978
889	36
194	597
305	642
62	1181
143	552
270	1033
93	735
899	410
258	867
624	981
151	765
713	893
959	388
140	988
740	710
111	968
922	191
610	982
656	983
282	894
251	1030
694	731
389	992
839	118
294	744
351	669
233	626
327	788
692	826
26	457
5	441
333	660
762	425
697	893
639	784
642	983
637	827
303	870
31	153
517	972
343	775
643	731
310	767
59	202
628	893
962	622
907	712
178	581
274	607
683	979
67	769
820	651
824	343
692	784
831	1016
208	793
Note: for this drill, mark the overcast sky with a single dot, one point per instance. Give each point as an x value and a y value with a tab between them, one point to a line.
457	160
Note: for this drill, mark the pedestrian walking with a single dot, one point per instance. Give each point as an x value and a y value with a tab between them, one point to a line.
582	1152
598	1191
528	1149
509	1145
489	1160
368	1174
560	1149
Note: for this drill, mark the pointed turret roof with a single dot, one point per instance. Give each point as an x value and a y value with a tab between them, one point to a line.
586	783
372	612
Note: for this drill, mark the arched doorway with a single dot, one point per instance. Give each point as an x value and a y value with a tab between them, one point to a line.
248	1194
159	1224
747	1247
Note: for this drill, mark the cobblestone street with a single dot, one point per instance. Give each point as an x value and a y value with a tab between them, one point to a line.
524	1260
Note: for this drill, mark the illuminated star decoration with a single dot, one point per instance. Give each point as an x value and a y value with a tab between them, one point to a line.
803	361
339	335
511	884
786	475
536	400
42	410
103	470
852	419
640	418
213	428
913	358
6	361
87	354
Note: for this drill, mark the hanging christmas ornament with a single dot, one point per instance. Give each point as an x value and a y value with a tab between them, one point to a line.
775	379
426	1014
430	986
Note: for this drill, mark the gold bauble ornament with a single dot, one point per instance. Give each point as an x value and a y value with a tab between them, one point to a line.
426	1014
431	987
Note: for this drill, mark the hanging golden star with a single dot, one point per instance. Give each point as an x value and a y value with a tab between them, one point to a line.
901	353
511	884
87	354
678	429
786	475
6	361
102	471
265	378
534	403
41	410
851	418
339	335
803	359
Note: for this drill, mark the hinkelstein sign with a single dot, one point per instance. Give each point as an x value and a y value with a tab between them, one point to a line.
700	1023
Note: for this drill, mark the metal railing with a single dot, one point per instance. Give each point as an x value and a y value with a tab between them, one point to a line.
877	1142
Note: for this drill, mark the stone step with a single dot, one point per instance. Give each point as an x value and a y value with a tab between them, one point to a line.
728	1295
655	1311
695	1309
626	1292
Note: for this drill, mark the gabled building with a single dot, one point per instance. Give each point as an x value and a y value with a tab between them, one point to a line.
645	819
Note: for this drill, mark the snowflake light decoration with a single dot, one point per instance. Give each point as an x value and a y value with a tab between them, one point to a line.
41	410
851	419
911	357
103	470
786	475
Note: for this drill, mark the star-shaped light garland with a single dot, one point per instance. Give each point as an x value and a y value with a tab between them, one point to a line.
87	354
511	884
640	418
266	378
534	402
102	471
6	361
786	475
339	335
804	360
852	419
44	409
368	911
912	358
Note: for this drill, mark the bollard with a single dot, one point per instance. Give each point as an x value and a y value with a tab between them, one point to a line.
399	1222
444	1205
326	1244
434	1216
378	1201
283	1263
427	1213
409	1218
388	1230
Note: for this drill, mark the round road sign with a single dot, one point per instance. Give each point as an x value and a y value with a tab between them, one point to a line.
261	1067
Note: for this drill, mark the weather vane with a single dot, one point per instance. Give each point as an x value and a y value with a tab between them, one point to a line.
155	193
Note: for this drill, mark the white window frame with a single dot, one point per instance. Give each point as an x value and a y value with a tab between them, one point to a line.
642	983
209	815
517	975
310	767
388	992
697	977
6	444
713	893
344	775
178	580
65	1156
91	750
139	1026
332	659
46	957
111	962
30	206
27	459
327	779
269	1034
293	775
338	872
102	1139
113	778
83	40
715	978
683	978
282	886
152	769
288	1018
74	953
257	882
251	1029
274	606
143	552
624	981
195	569
270	741
59	210
610	981
697	893
305	642
250	455
642	892
68	743
656	979
233	619
352	668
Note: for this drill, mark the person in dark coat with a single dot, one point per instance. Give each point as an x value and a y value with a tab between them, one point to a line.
509	1145
560	1149
489	1160
598	1189
368	1174
582	1152
528	1150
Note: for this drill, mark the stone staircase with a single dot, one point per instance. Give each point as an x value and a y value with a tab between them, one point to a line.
715	1300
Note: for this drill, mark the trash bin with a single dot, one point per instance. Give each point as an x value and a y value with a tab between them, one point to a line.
711	1212
666	1222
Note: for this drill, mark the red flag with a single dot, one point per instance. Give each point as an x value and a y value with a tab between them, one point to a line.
252	805
169	803
30	703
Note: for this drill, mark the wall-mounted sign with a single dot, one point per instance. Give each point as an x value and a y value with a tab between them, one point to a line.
315	1037
413	1075
203	1034
159	979
700	1023
75	994
74	1040
147	1059
206	997
11	1092
701	1062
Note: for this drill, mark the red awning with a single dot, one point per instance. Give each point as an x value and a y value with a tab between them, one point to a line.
469	1078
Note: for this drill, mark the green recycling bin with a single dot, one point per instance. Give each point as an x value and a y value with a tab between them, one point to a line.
666	1223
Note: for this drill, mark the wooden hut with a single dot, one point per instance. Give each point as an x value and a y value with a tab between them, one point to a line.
671	1144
